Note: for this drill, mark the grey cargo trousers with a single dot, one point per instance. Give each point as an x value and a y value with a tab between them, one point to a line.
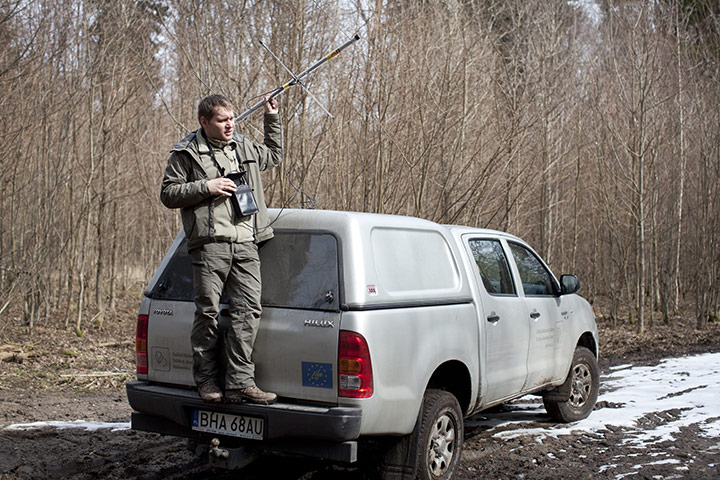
236	267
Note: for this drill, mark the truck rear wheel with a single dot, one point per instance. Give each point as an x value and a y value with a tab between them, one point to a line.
441	436
583	382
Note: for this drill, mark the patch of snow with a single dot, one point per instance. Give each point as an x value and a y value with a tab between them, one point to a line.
623	475
651	404
661	462
89	426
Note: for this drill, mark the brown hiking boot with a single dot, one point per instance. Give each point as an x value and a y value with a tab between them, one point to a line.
250	394
210	392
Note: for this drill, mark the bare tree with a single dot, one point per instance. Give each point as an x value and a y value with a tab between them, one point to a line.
593	133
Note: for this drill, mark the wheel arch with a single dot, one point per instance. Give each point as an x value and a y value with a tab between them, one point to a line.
588	341
453	376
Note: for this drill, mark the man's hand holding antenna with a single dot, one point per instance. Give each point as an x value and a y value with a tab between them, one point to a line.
271	104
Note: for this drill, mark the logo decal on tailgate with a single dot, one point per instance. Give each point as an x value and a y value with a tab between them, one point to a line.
312	322
317	375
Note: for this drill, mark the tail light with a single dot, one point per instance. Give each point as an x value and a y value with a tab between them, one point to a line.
141	353
355	378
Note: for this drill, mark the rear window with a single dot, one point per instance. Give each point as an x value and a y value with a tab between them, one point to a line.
299	270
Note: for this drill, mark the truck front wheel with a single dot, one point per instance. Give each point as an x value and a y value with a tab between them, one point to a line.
441	436
583	383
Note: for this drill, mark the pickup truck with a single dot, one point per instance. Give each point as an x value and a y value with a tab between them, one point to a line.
380	334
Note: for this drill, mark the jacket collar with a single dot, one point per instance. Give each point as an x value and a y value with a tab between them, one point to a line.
196	144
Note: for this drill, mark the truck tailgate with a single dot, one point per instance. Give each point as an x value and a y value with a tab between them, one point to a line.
295	352
295	355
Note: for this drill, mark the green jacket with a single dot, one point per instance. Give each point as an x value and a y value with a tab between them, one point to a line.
184	183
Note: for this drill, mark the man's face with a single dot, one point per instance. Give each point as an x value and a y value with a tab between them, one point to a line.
221	125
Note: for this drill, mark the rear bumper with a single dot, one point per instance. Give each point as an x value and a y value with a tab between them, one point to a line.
168	410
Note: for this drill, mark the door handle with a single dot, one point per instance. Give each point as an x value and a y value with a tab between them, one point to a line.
493	317
535	315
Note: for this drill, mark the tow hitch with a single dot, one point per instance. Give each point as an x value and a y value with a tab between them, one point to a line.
230	458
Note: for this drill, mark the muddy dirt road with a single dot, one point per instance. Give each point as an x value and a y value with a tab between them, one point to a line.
657	421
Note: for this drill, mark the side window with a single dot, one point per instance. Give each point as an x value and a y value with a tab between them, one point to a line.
493	266
536	279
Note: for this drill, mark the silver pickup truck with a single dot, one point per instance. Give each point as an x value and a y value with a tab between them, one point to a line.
379	334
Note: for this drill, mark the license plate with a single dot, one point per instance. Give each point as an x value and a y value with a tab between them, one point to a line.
227	424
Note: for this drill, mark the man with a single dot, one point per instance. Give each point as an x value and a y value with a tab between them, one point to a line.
223	244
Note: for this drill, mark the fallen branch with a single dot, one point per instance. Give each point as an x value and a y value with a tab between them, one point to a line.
116	344
14	357
95	374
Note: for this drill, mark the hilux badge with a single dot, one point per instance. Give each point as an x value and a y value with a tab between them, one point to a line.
313	322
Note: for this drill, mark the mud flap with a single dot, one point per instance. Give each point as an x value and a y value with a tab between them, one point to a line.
560	393
400	457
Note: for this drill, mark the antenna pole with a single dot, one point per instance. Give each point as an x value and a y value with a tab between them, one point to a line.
297	78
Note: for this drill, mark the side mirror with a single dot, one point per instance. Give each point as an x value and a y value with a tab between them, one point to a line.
569	284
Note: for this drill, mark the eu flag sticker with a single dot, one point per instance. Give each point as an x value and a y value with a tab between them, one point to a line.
317	375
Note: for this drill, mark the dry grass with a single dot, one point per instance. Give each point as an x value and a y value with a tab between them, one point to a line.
51	356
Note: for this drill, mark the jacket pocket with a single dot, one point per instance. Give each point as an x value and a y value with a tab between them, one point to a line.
196	221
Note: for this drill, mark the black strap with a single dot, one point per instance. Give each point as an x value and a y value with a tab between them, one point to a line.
220	168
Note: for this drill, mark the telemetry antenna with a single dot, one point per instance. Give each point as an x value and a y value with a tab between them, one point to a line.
296	79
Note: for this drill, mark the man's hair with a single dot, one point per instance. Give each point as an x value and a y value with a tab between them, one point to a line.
207	105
